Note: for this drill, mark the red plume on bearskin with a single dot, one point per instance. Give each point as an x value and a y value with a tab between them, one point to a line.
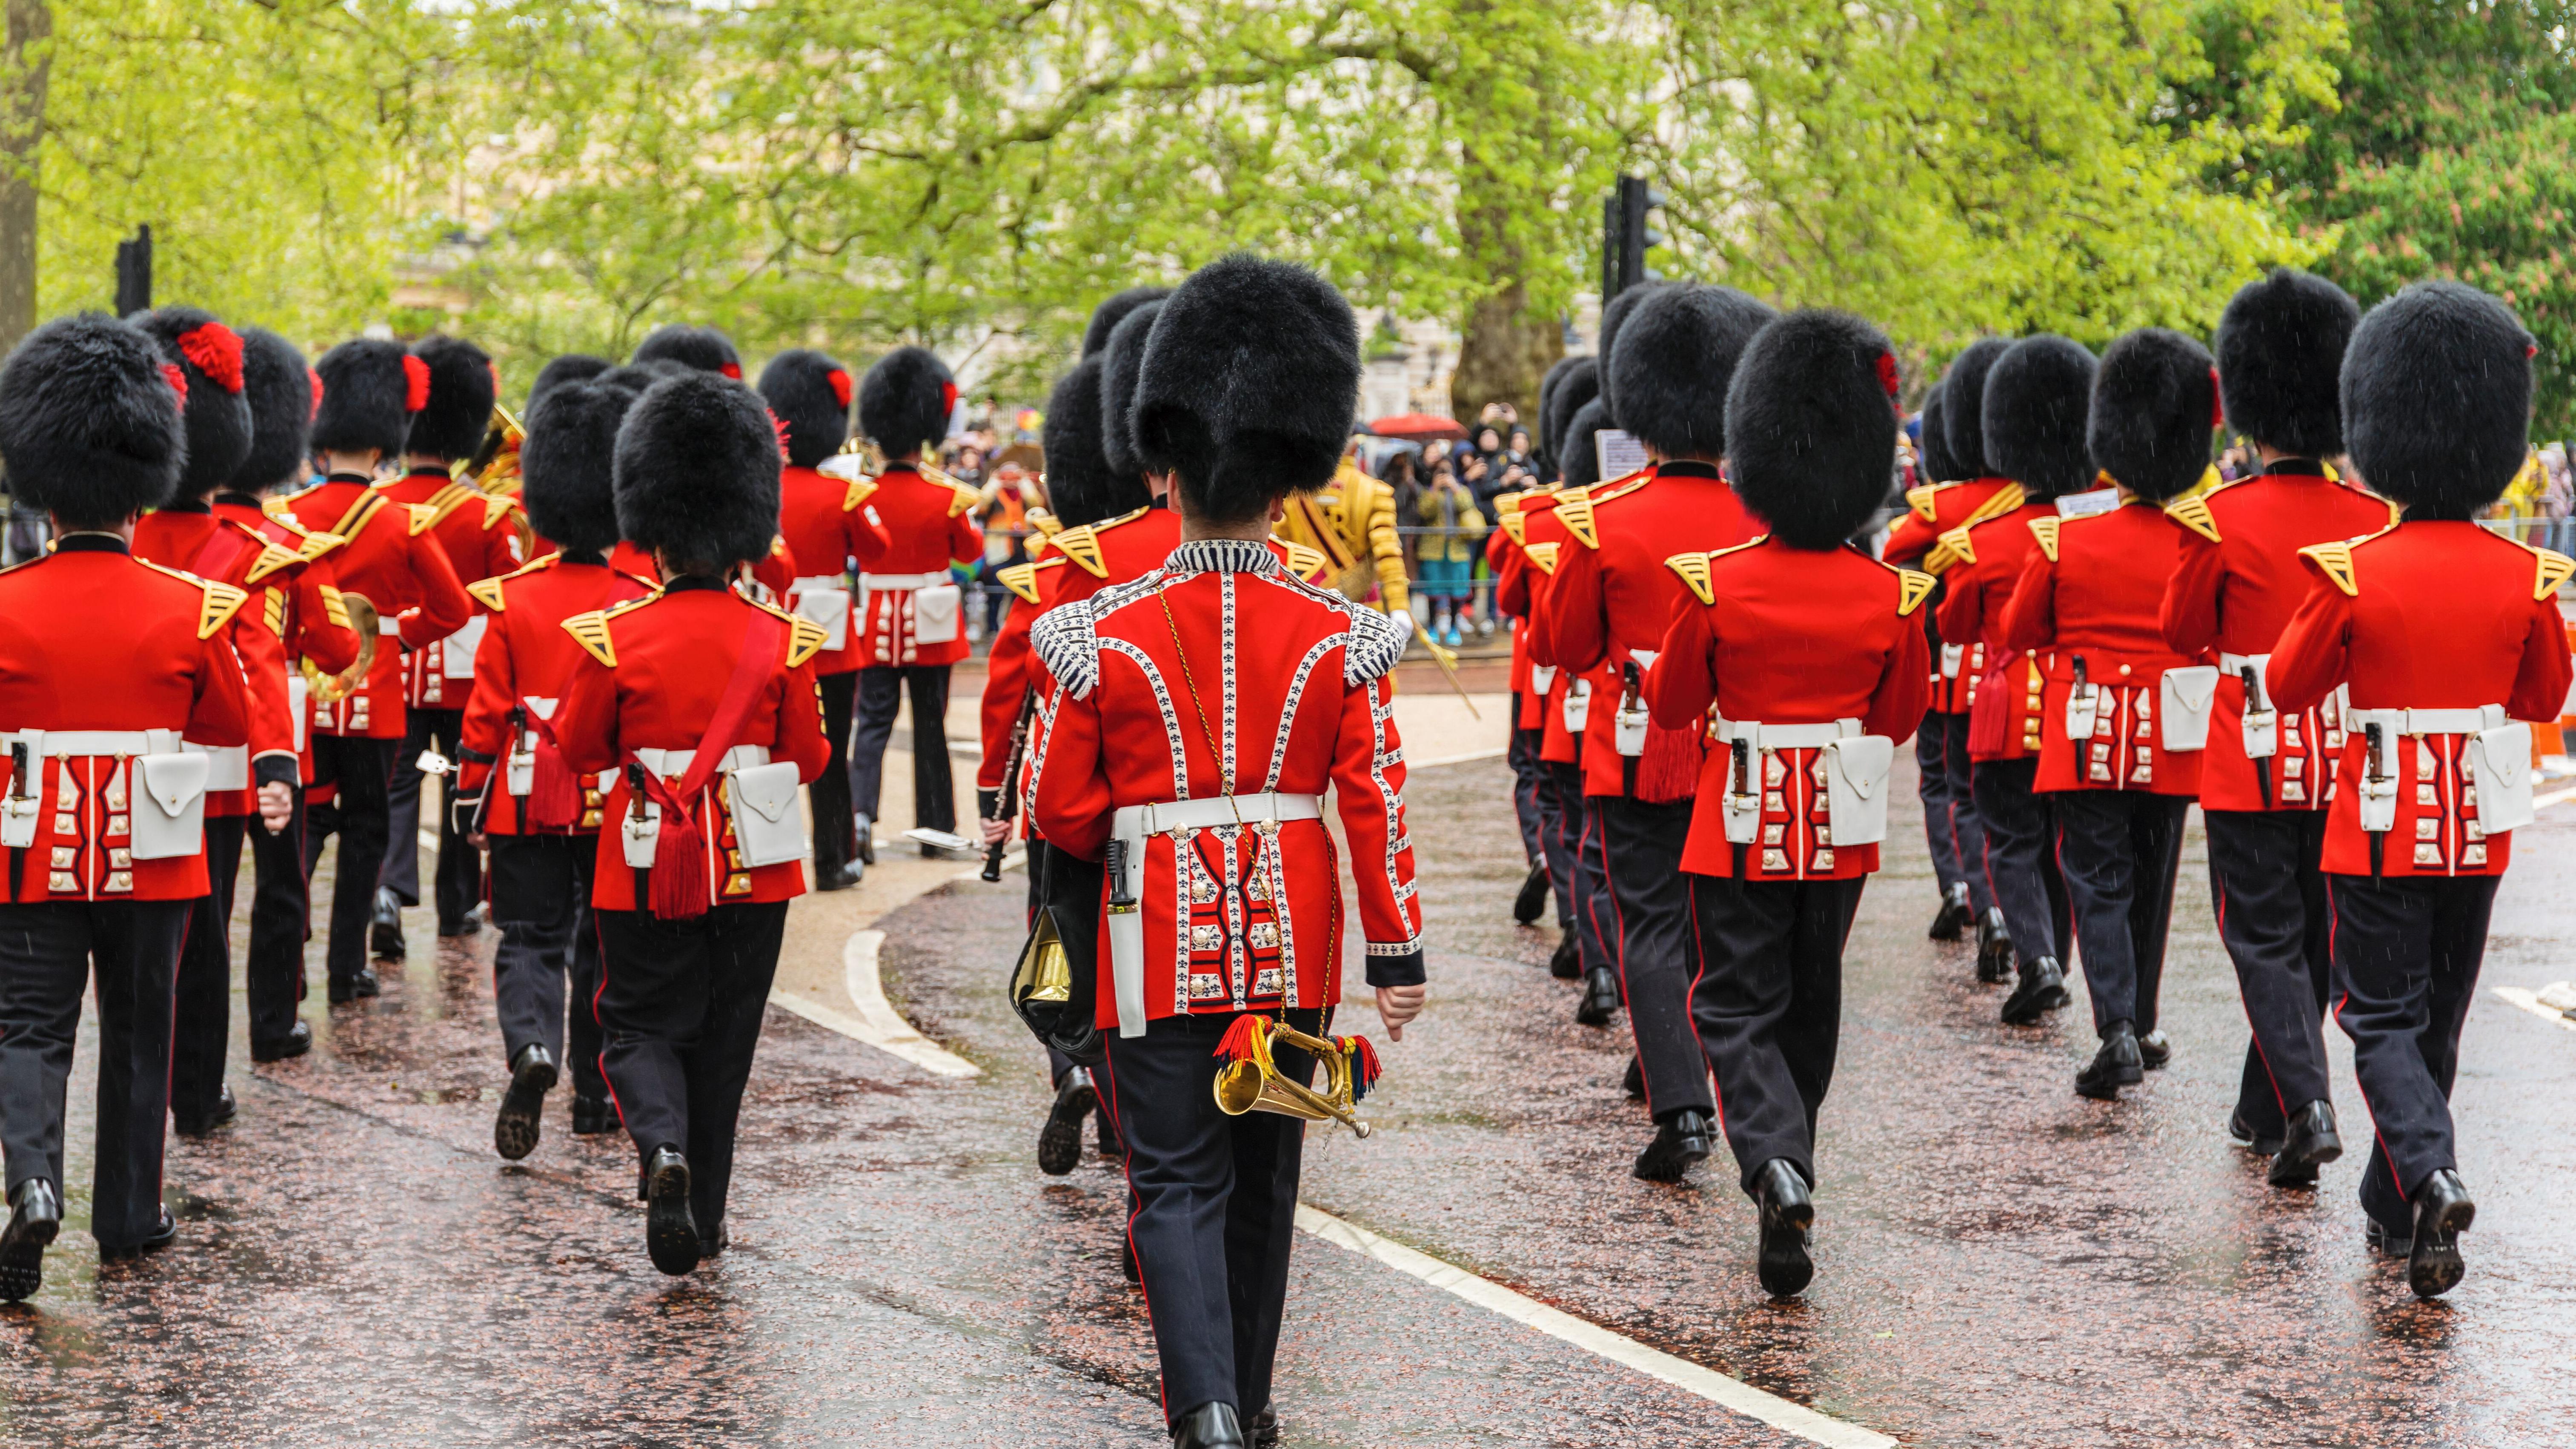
415	384
317	393
839	378
177	377
217	351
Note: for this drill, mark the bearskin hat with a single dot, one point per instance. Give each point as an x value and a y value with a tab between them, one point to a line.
1963	420
1932	461
697	471
461	392
1811	425
1251	375
1106	317
1614	316
1547	382
1582	465
905	400
90	422
637	376
370	389
2037	395
809	394
1082	485
1122	362
2280	361
1580	384
703	348
1676	356
2437	399
571	367
567	466
2155	400
209	355
279	387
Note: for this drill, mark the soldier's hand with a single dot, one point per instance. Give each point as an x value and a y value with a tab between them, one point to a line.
276	805
1397	1005
996	831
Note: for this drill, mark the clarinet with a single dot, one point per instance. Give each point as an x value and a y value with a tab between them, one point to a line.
1011	763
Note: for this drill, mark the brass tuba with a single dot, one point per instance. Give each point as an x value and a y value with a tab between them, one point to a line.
1253	1082
364	622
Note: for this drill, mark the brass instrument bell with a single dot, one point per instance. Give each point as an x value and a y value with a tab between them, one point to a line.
1252	1082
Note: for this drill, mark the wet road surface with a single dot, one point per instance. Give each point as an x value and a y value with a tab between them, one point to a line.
2000	1262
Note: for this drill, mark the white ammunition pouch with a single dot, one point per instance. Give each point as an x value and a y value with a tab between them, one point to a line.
2183	700
1543	678
2500	764
169	817
823	600
456	653
767	827
227	766
936	613
1578	706
1952	656
1856	771
1138	824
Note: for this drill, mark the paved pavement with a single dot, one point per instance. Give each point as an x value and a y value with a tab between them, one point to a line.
2000	1262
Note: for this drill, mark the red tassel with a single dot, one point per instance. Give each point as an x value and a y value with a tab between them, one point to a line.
1669	769
554	791
679	869
1242	1039
1364	1065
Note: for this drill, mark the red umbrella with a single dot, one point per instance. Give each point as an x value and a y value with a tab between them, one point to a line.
1418	427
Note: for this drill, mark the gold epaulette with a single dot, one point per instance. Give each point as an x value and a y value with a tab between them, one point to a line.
423	518
1953	547
1515	527
1543	555
1693	570
1082	545
449	499
335	608
2192	512
272	557
805	639
1045	523
274	506
2045	531
1021	579
1304	560
489	591
964	500
2552	568
859	491
273	611
1913	586
1575	507
218	605
2334	560
496	507
1925	501
590	630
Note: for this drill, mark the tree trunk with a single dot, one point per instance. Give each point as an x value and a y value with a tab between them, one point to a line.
22	124
1503	356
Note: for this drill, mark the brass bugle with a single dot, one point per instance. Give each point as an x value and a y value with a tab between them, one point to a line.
1256	1084
364	622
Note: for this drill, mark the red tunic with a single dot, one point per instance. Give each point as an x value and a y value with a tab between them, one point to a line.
1544	539
651	674
2090	591
484	536
392	562
927	527
1916	540
2234	592
825	525
194	540
2432	615
302	604
2004	713
1287	681
94	639
1776	635
525	659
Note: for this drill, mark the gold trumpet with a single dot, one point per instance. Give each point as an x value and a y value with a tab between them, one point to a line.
363	620
1253	1082
495	465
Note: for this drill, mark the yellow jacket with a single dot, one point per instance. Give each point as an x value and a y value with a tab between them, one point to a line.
1352	523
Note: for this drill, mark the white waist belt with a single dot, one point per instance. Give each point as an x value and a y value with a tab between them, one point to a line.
821	581
1785	736
1224	810
2426	721
2236	664
65	743
673	763
886	583
1135	824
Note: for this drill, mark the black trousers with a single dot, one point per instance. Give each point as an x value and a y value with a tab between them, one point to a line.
1949	808
1769	1006
1527	776
1587	884
459	873
281	921
2021	866
360	770
2278	928
46	953
1651	897
541	902
1213	1208
203	1025
836	835
2406	958
881	690
680	1005
1560	827
2119	850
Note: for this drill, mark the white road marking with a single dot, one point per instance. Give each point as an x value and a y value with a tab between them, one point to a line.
1681	1373
1492	754
2554	797
878	1023
2531	1003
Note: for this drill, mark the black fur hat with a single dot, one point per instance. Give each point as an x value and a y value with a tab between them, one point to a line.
209	355
703	348
697	471
1251	376
1082	485
2155	400
461	392
905	400
1582	465
1932	461
810	393
637	376
567	466
90	427
278	384
370	389
2437	399
1676	355
1580	384
1122	363
2280	361
1963	418
1547	382
2037	395
1614	316
1811	425
1106	317
571	367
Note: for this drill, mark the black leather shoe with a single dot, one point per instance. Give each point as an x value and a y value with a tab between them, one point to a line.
1566	964
36	1215
836	877
384	928
2154	1050
2443	1211
592	1116
465	929
1600	998
204	1124
2244	1136
2114	1066
1787	1213
1265	1427
297	1041
867	840
2380	1238
345	989
1994	948
1209	1426
1060	1140
1951	921
2042	990
163	1234
1633	1081
1533	896
712	1245
670	1231
2310	1143
516	1127
1680	1141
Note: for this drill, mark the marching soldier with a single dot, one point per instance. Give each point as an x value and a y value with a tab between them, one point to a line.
911	627
395	581
1533	803
2123	714
542	824
106	664
484	537
1610	597
702	349
1816	665
2028	427
1263	691
2443	634
2265	777
1113	310
826	525
1593	957
699	705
